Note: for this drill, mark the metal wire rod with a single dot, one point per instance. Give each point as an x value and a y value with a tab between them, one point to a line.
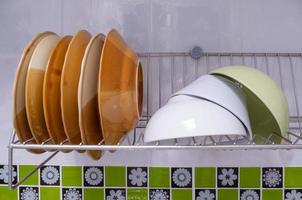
268	139
46	141
205	140
175	141
235	140
148	84
157	146
17	141
247	54
10	158
295	135
295	93
281	136
212	139
27	141
101	142
128	139
64	141
34	170
194	141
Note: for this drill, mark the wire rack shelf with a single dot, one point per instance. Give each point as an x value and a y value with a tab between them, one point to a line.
167	72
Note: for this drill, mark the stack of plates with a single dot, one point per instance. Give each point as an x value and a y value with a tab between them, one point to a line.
79	89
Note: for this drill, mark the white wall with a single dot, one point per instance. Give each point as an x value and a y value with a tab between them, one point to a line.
155	25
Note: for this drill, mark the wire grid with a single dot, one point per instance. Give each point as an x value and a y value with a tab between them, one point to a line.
166	73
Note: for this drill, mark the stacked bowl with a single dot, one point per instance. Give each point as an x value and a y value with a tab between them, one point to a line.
77	89
235	101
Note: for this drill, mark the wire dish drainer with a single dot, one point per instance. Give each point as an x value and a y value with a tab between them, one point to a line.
165	73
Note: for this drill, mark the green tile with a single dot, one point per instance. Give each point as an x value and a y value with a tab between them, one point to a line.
249	177
205	177
47	193
181	194
137	194
115	176
159	177
227	194
293	177
25	170
7	194
93	193
271	194
72	176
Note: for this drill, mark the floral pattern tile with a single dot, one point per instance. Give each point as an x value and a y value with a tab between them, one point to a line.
227	177
293	194
159	194
272	177
50	175
133	182
4	174
250	194
72	194
115	194
137	176
181	177
93	176
205	194
29	193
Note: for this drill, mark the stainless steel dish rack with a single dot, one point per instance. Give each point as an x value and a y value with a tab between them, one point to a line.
165	73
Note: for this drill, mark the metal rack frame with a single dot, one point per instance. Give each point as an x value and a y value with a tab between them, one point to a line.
134	139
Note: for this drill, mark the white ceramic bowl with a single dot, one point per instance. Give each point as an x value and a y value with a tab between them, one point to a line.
222	92
185	116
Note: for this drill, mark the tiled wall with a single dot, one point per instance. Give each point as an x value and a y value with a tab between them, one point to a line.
159	26
150	25
154	183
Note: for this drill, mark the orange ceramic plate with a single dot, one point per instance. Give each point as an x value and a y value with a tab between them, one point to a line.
19	110
69	85
51	91
120	88
87	95
34	87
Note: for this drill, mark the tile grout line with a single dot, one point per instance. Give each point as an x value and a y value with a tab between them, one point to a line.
261	180
39	183
238	182
61	181
148	185
193	183
216	181
170	182
126	181
18	177
283	181
104	190
82	178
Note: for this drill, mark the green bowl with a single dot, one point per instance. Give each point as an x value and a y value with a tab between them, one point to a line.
266	103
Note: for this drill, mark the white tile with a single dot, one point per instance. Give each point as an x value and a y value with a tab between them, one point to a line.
21	20
130	18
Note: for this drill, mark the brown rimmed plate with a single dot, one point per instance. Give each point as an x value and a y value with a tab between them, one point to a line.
69	85
19	110
34	87
52	92
87	95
